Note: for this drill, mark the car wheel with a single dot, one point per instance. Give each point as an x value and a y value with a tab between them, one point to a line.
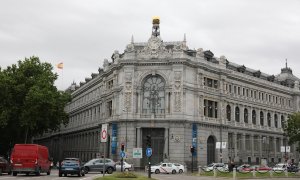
86	170
60	174
65	175
15	173
9	173
126	169
38	172
27	174
173	171
49	172
109	170
180	171
0	172
79	174
157	171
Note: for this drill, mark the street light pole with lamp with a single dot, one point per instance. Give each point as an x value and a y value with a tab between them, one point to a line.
126	109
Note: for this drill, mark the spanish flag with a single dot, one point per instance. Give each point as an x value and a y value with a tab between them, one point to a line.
60	65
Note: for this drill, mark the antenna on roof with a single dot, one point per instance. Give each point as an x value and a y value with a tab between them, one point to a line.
285	62
184	38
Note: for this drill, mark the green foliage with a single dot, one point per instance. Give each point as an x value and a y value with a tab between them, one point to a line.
292	129
124	176
30	103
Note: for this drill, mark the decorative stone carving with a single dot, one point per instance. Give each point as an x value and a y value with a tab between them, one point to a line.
154	49
128	91
177	91
105	64
115	57
200	53
257	74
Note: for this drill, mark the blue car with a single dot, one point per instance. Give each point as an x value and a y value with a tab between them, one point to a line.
71	166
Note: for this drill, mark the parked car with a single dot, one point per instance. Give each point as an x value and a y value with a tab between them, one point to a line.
71	166
97	165
256	168
126	166
164	168
5	166
242	167
30	158
180	167
292	168
280	167
211	166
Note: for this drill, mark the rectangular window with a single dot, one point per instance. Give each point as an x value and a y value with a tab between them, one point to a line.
109	108
210	108
239	91
234	89
230	89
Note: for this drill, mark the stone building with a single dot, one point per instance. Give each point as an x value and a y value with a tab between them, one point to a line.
182	98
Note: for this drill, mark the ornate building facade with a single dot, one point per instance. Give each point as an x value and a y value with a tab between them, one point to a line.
182	98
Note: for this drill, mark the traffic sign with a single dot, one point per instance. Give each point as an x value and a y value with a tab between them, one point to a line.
137	153
122	154
104	133
149	152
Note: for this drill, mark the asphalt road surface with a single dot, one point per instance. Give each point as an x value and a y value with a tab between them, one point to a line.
52	176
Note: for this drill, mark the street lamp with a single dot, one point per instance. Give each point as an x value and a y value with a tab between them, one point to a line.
126	109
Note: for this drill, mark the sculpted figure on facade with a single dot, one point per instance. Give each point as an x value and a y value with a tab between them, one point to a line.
128	90
105	64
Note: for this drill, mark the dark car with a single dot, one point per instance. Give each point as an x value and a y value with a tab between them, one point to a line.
292	168
5	166
71	166
97	165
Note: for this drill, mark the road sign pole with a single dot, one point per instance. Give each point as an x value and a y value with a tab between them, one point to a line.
121	164
149	167
104	160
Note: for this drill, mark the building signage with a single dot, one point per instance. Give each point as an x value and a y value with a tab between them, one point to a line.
103	133
137	153
221	145
285	149
194	138
114	134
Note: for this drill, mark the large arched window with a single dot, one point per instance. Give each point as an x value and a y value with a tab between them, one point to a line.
153	95
228	112
261	118
253	117
269	119
237	114
276	120
246	115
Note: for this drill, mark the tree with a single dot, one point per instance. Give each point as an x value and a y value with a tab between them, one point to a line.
292	129
30	103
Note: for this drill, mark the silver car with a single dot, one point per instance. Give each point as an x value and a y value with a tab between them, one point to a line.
97	165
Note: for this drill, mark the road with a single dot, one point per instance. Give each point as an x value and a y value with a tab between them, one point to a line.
91	176
52	176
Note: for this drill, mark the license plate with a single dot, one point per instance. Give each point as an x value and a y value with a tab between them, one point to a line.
68	169
18	164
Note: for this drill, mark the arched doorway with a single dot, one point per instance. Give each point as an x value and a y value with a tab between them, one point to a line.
211	150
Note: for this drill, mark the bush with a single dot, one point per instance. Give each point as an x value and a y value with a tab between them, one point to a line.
126	175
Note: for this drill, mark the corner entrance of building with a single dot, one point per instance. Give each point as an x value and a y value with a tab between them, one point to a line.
211	150
157	142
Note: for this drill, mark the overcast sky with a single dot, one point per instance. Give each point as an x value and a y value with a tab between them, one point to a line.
259	34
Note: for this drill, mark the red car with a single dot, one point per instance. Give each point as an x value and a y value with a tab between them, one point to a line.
4	166
30	158
256	168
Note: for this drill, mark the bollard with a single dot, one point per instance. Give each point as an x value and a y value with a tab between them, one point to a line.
199	170
234	173
215	172
253	173
271	173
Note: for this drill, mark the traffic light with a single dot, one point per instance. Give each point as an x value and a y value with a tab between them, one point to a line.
148	141
192	149
122	147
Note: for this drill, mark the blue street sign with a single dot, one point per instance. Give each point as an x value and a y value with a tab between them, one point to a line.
148	152
122	154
